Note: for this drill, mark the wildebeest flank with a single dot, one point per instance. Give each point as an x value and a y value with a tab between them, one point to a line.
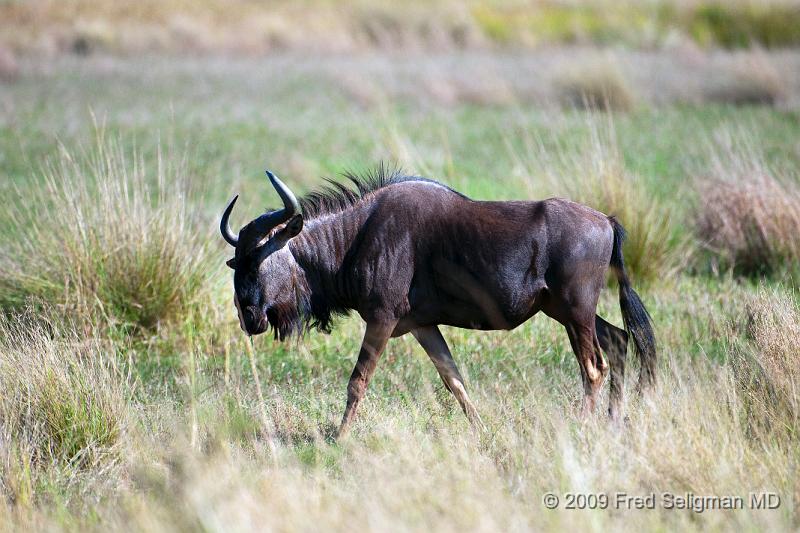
410	254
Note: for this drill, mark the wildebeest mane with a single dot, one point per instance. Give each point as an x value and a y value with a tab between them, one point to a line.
339	196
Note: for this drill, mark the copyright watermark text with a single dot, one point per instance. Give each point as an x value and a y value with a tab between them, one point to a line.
690	501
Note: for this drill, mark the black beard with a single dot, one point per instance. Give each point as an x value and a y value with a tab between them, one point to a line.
304	312
286	320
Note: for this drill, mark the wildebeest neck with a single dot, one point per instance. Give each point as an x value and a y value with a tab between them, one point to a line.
322	252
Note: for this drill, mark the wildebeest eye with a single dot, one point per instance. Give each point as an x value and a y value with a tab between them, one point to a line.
231	263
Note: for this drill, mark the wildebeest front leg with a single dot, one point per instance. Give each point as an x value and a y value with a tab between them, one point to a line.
432	341
375	338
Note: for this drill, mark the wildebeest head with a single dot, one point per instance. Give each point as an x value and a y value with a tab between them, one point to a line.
264	277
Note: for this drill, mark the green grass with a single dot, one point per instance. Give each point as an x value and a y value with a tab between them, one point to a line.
104	239
63	408
161	426
725	24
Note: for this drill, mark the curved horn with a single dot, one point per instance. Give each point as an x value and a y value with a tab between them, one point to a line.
225	228
290	203
266	222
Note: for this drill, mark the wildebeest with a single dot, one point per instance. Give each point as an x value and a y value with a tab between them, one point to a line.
410	254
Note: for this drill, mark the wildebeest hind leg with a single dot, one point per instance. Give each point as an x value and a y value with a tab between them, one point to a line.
432	341
614	341
593	366
375	338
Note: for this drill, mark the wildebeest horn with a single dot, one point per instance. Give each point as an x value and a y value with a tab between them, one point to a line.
290	203
267	221
225	228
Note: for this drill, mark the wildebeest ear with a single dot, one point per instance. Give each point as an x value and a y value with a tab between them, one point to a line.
292	229
231	263
294	226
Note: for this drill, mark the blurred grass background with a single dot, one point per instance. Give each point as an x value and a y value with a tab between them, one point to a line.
252	26
131	400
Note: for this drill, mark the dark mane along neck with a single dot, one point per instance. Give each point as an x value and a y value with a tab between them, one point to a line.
337	197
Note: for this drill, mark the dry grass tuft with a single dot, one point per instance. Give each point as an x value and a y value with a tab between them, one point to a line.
597	84
105	237
431	27
767	368
754	81
749	213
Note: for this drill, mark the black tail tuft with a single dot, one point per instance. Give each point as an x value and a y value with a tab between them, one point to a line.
634	314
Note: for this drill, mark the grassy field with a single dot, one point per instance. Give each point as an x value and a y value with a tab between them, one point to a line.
130	398
252	28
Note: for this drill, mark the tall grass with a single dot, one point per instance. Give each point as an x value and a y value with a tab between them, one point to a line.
105	236
412	461
768	366
748	218
416	465
62	409
593	172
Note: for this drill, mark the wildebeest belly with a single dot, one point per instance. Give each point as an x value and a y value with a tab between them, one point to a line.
453	294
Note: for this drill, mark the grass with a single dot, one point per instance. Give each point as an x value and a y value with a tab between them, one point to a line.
749	212
63	409
105	238
766	367
162	416
209	26
755	81
413	462
599	84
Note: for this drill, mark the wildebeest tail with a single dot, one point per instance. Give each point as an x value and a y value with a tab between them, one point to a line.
634	314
